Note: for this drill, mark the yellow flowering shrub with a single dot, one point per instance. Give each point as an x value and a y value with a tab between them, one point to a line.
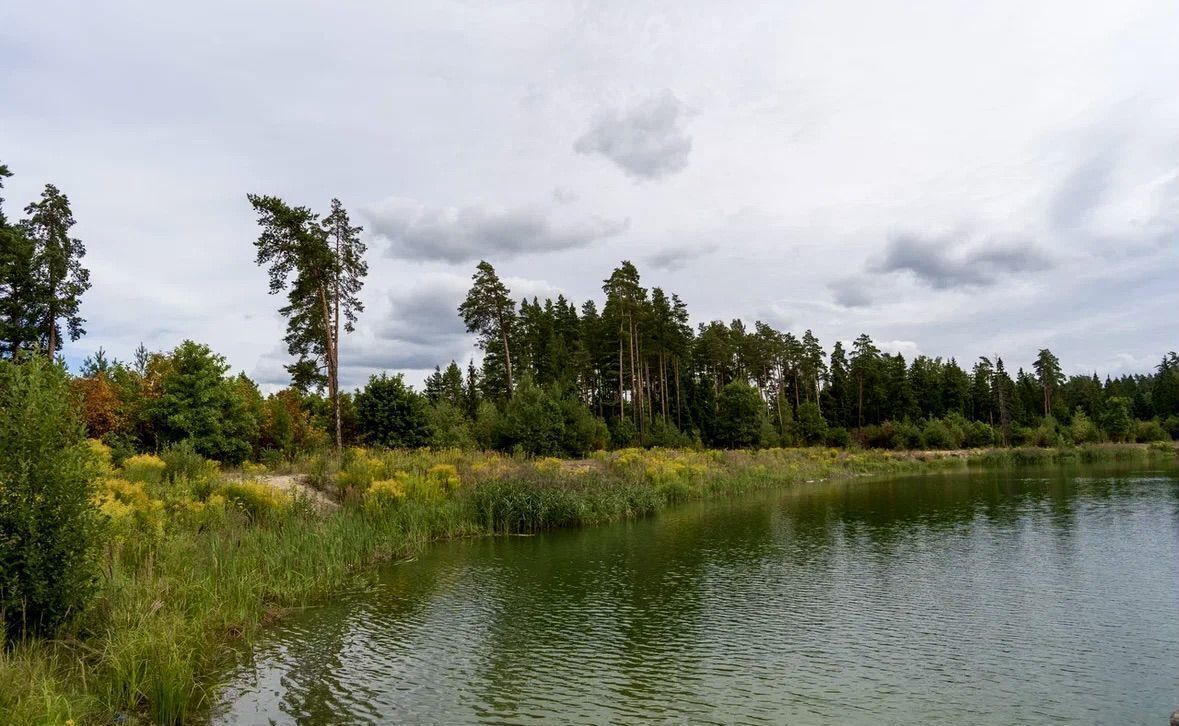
144	468
101	453
130	509
384	492
548	465
251	469
361	471
207	513
445	475
257	500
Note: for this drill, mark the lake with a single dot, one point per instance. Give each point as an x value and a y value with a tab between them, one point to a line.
1016	596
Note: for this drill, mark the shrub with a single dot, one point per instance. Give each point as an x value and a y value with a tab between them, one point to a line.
358	472
183	461
390	413
1171	424
740	412
533	422
449	427
198	403
48	519
130	511
811	426
664	434
1146	432
1083	430
839	437
144	468
258	501
384	493
623	434
1116	421
937	434
979	434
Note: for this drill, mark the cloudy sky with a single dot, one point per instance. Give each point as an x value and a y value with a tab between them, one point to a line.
954	178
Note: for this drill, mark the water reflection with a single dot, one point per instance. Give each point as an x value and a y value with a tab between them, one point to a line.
989	598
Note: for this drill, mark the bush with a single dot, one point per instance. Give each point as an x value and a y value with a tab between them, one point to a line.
49	525
839	437
390	413
938	434
811	426
1116	421
257	501
979	435
1171	424
664	434
198	403
486	422
1083	430
1146	432
144	468
449	427
532	422
584	432
740	414
623	434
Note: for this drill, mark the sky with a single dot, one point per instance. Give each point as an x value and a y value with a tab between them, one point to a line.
953	178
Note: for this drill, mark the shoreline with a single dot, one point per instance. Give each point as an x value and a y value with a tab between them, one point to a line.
155	641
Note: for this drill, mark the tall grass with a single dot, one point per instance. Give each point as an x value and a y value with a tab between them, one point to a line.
232	556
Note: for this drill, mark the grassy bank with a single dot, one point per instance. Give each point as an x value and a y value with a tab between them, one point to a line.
196	559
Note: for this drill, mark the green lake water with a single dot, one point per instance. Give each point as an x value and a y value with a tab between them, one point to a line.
1021	596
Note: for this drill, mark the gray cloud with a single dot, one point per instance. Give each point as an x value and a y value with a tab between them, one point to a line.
851	292
425	314
1082	192
676	256
942	262
647	141
470	233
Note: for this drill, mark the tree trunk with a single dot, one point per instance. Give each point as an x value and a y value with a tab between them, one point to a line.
621	383
503	333
679	401
336	358
332	360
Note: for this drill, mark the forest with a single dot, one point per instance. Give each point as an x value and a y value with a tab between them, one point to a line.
555	378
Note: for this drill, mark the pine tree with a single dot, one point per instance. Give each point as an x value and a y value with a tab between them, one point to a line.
489	311
58	278
321	267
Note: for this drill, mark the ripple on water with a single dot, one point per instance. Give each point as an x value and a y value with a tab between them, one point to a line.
981	599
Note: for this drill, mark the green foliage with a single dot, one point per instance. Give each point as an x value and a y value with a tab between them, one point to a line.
533	422
740	415
49	525
485	424
1082	430
623	433
59	280
389	413
449	427
1117	421
1146	432
199	404
838	436
811	426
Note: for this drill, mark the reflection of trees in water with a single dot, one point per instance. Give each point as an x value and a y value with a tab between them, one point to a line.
610	608
320	650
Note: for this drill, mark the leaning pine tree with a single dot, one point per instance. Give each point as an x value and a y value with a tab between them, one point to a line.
321	266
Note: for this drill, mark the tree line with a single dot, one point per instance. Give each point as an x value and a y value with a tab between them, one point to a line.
554	378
